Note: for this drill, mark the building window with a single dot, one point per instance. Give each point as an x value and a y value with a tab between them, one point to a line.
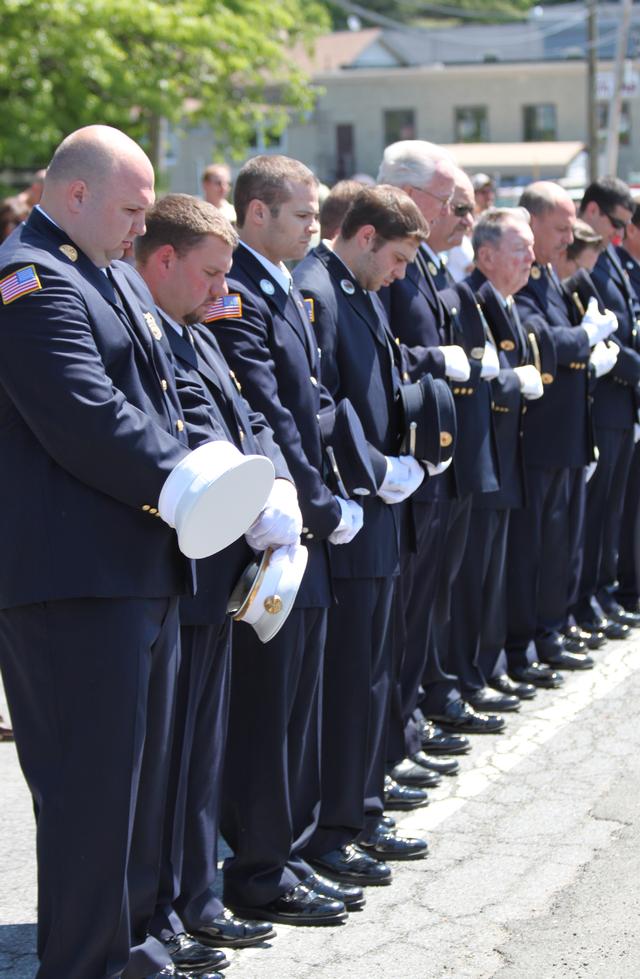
539	123
345	153
399	124
624	130
267	138
471	124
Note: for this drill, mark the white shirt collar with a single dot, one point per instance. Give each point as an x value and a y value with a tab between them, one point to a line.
278	272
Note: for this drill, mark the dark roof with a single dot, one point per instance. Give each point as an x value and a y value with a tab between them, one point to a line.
556	33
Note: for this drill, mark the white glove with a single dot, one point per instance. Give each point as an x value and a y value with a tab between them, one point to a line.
490	363
440	468
589	470
603	357
598	326
280	523
350	521
530	381
456	363
404	475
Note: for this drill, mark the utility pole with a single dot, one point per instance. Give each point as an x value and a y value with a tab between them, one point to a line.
615	109
592	93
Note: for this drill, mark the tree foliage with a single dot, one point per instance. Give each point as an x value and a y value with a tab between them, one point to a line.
129	62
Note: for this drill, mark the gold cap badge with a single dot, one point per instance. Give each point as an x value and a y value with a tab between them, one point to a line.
446	438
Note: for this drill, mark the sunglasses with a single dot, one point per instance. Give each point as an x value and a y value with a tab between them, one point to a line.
461	210
618	223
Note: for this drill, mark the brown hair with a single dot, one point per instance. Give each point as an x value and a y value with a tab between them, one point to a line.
12	212
583	237
336	205
391	212
182	221
268	179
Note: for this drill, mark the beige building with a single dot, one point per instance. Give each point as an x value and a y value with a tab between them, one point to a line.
509	99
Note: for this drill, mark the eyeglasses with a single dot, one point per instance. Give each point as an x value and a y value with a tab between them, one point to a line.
444	201
461	210
618	223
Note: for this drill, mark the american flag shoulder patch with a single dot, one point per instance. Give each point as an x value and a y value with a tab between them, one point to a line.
310	308
227	307
19	283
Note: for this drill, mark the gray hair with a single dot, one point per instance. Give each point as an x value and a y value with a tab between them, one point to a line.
411	162
491	225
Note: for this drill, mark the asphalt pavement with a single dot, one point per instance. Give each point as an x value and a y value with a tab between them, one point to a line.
533	870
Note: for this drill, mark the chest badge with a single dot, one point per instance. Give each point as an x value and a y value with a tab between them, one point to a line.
154	329
267	287
347	286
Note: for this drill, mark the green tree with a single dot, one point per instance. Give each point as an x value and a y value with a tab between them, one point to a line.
128	63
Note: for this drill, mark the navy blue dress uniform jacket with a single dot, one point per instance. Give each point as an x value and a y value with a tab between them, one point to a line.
557	427
420	314
615	396
89	410
212	406
361	362
632	268
507	403
273	353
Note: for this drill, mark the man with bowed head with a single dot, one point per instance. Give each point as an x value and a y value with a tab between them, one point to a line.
94	436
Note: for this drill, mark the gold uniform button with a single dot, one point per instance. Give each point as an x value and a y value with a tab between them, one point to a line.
164	385
180	425
313	381
546	378
152	510
405	376
309	536
146	507
241	434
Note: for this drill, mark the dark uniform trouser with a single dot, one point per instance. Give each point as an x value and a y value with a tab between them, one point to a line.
605	501
271	785
628	589
414	601
538	561
90	684
577	531
441	685
357	684
478	620
186	898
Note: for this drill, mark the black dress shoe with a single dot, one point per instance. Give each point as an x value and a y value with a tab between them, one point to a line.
388	821
170	970
504	683
611	629
350	865
436	742
573	644
403	796
570	661
443	766
617	613
462	717
538	675
592	640
488	700
407	772
351	896
189	955
300	905
385	845
6	732
227	931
